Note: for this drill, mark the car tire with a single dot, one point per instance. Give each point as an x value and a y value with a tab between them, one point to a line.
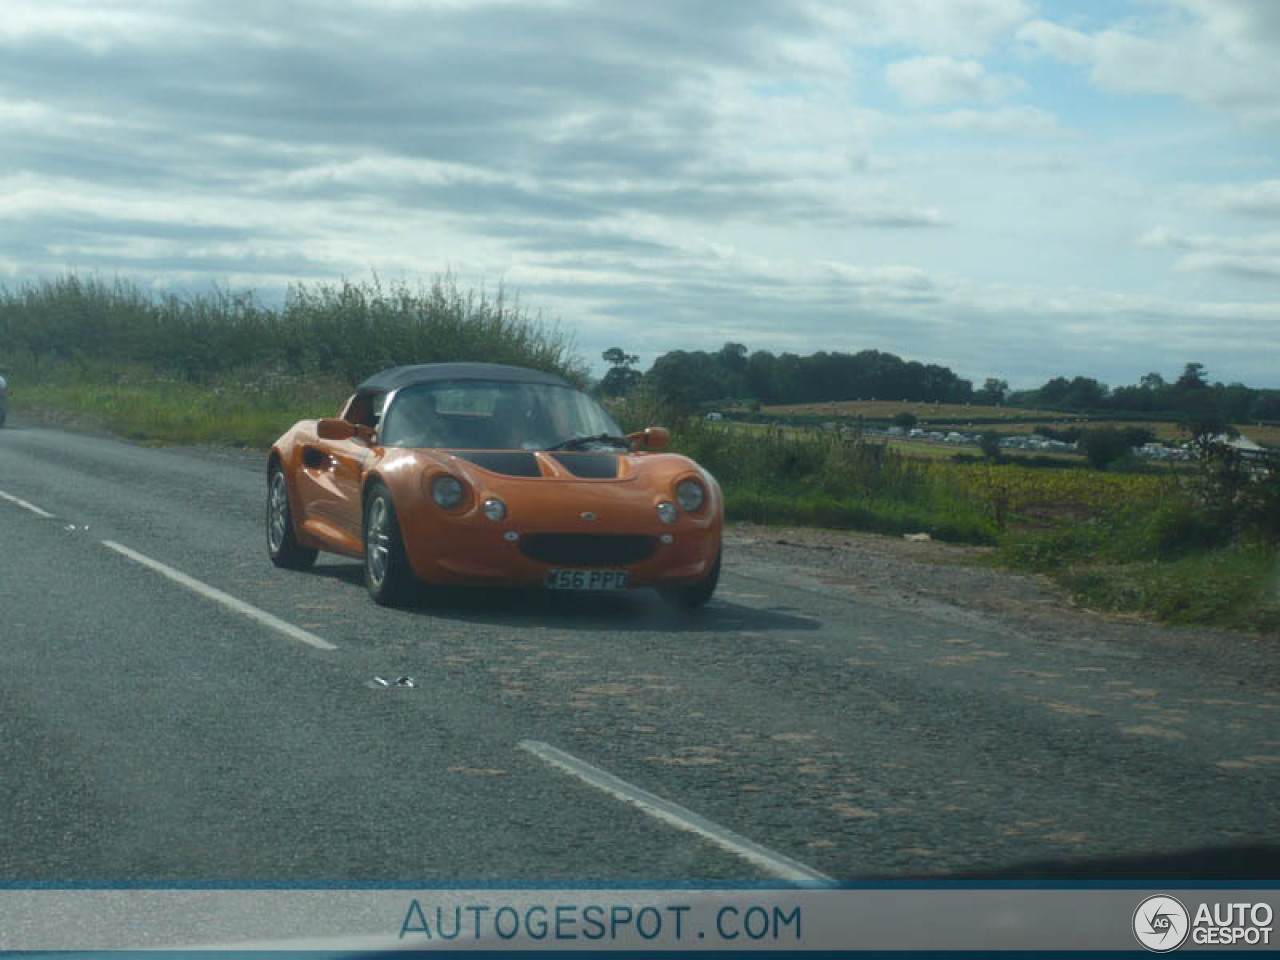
282	543
694	595
387	574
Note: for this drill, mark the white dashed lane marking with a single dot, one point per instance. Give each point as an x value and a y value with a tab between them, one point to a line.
216	595
677	816
31	507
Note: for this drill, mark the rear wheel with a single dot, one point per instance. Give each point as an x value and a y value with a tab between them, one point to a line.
282	545
694	595
387	573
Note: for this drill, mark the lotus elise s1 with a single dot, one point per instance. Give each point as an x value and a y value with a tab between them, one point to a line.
483	474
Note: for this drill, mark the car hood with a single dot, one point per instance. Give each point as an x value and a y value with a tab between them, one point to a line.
594	465
487	466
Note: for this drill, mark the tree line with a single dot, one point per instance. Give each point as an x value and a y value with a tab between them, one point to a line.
1190	395
691	377
688	378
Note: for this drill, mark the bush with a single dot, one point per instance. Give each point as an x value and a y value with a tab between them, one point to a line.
1104	446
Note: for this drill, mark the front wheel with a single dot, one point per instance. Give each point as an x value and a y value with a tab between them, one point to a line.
282	544
694	595
387	573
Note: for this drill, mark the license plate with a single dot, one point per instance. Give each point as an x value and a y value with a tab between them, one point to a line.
585	580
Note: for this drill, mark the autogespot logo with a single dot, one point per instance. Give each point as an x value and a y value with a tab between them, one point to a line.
1161	923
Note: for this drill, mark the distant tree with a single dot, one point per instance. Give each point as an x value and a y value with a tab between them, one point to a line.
1086	393
1193	378
1054	392
906	420
1266	406
989	443
619	358
731	367
622	377
762	375
1201	418
993	392
682	379
1152	381
733	356
1104	446
1137	436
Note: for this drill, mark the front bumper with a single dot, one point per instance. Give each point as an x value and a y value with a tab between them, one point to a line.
474	550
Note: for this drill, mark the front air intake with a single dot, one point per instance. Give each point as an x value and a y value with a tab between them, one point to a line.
586	549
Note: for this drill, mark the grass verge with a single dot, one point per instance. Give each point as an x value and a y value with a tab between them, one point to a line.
229	412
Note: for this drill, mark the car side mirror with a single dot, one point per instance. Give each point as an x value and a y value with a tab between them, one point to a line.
650	438
334	429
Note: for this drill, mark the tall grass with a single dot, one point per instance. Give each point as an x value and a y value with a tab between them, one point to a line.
226	368
346	331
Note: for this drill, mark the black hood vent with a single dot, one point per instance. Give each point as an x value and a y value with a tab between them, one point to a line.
590	466
513	464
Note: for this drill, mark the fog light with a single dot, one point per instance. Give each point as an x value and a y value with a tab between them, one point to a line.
667	512
494	509
666	539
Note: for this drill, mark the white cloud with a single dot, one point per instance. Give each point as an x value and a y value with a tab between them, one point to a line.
1218	53
1260	199
1003	121
1255	256
936	81
958	27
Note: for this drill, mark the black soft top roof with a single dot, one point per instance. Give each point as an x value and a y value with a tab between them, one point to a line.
398	377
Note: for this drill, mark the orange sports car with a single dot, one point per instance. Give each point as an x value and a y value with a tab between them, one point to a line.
478	473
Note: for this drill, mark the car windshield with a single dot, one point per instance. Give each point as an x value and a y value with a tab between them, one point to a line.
492	415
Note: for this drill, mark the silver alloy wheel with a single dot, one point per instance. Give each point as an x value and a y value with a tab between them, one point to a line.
277	512
377	541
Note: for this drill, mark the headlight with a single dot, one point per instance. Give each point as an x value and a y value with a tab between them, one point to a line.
690	495
495	509
447	492
667	512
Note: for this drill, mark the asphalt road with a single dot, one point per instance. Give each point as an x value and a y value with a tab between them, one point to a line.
149	731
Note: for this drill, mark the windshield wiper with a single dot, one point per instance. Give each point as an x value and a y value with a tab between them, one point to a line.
576	443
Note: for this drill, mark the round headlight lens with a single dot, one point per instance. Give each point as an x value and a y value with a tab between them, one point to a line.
690	495
495	509
447	491
667	512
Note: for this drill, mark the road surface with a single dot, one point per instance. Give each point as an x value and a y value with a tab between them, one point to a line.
174	707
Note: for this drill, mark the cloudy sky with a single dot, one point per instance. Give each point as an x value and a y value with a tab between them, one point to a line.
1021	188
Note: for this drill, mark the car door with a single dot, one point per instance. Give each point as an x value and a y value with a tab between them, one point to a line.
348	459
329	481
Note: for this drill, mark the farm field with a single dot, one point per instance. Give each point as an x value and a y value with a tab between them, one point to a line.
957	415
887	409
919	449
